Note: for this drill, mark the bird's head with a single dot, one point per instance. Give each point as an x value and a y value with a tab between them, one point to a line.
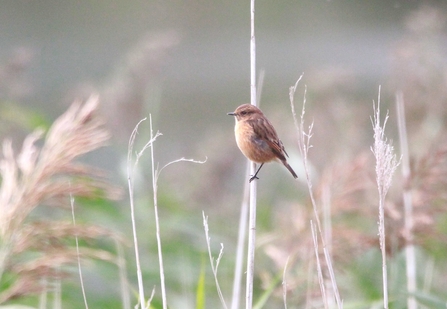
246	111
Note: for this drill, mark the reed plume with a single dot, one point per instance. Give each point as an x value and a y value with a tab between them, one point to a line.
49	175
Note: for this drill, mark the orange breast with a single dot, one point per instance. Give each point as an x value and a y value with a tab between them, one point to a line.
245	139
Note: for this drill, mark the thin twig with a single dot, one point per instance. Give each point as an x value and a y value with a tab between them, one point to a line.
148	304
386	164
260	87
121	263
244	215
214	267
410	255
304	146
158	171
253	185
284	283
155	175
130	172
319	270
78	254
240	244
157	224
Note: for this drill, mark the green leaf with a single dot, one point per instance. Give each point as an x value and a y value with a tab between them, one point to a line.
200	292
267	293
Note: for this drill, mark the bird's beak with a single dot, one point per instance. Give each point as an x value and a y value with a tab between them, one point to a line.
232	114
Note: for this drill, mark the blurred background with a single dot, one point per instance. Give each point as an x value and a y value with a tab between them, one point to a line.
186	63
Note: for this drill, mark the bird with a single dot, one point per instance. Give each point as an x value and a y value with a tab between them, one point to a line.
257	138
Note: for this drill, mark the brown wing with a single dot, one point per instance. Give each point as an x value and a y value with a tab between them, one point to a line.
266	132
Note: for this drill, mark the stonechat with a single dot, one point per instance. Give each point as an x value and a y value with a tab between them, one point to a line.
257	138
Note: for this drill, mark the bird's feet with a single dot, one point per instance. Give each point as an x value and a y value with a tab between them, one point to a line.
252	178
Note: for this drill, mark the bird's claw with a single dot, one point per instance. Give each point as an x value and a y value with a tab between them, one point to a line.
253	178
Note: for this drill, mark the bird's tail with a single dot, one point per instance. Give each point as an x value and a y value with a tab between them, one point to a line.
290	169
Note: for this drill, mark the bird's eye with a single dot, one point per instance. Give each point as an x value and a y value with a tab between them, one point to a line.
244	113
